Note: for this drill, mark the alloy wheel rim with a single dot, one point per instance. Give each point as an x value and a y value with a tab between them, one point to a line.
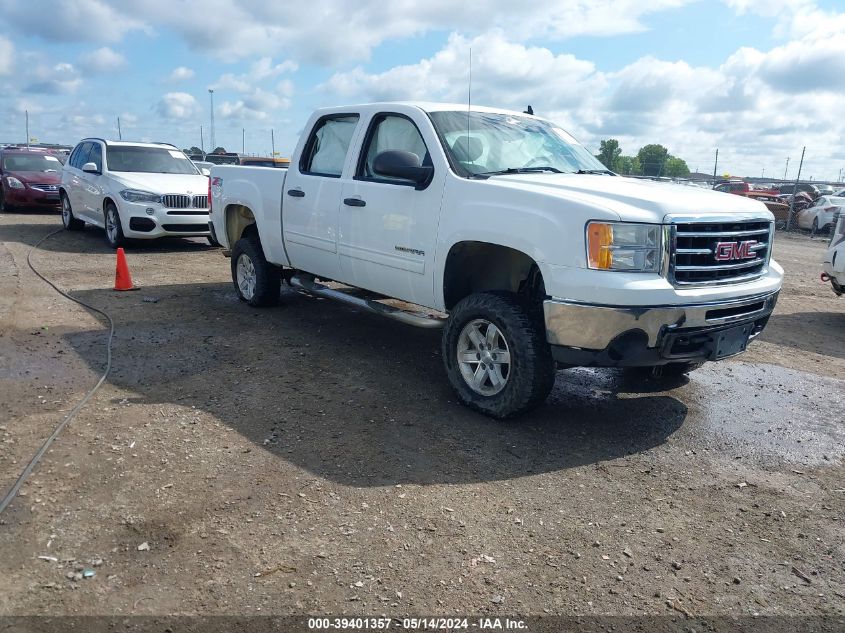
246	276
111	225
66	211
483	357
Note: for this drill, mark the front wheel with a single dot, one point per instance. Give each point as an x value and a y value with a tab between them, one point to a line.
114	230
68	221
496	355
256	280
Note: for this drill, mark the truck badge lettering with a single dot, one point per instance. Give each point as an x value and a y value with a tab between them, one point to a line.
728	251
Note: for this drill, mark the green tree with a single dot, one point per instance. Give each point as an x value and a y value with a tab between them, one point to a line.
609	152
627	165
652	159
675	167
219	150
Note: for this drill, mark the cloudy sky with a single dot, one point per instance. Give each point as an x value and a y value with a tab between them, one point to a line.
757	79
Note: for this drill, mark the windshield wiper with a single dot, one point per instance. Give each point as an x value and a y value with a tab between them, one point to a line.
520	170
595	171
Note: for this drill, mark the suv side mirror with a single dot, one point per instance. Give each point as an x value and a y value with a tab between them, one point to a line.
405	165
90	168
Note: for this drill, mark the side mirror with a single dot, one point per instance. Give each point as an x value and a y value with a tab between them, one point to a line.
405	165
205	171
90	168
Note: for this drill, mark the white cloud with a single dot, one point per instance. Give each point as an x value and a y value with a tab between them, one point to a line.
503	73
71	20
102	60
58	79
177	105
258	96
7	56
181	73
326	31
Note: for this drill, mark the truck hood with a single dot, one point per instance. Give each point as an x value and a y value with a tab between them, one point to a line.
163	183
632	199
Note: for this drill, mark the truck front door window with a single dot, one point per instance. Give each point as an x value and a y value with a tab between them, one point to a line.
327	148
392	132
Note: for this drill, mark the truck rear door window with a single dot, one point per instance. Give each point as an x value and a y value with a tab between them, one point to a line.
325	152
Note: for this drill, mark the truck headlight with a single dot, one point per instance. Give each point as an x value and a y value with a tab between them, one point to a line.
136	195
624	246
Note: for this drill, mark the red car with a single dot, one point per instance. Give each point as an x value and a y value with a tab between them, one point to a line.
29	178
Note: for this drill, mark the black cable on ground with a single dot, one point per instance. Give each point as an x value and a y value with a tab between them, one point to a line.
13	491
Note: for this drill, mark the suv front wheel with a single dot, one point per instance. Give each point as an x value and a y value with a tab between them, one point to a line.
68	221
496	355
114	230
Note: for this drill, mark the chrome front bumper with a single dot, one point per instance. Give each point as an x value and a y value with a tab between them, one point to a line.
594	327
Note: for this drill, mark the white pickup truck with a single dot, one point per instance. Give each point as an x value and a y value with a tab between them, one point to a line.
533	254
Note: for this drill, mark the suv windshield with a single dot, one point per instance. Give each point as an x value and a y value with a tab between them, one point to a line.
484	144
153	160
31	162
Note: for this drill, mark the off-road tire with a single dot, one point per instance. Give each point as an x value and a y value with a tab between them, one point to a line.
531	371
68	220
117	239
268	279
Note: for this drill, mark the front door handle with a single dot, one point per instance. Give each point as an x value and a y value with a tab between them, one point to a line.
296	193
354	202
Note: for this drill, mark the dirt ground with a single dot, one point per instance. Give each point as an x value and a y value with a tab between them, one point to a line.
311	459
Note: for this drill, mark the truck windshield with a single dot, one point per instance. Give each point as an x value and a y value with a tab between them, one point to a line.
152	160
485	144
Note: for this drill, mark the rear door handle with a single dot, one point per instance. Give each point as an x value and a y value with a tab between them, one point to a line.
354	202
296	193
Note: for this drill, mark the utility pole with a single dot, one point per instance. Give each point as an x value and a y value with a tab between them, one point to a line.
202	142
211	98
273	142
786	168
27	127
715	165
763	175
795	190
243	140
119	134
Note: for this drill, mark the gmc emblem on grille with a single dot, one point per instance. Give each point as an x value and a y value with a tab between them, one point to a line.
727	251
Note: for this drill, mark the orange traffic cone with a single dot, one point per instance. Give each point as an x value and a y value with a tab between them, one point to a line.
122	278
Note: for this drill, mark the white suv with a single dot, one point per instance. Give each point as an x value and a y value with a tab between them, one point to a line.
134	191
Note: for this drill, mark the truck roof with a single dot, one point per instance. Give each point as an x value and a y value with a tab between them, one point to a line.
425	106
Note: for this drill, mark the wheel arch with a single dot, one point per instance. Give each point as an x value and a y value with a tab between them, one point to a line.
238	220
478	266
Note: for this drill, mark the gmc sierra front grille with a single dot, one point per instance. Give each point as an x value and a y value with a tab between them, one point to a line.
182	201
712	253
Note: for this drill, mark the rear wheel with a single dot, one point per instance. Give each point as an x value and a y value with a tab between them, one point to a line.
256	280
70	223
212	242
496	355
114	230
